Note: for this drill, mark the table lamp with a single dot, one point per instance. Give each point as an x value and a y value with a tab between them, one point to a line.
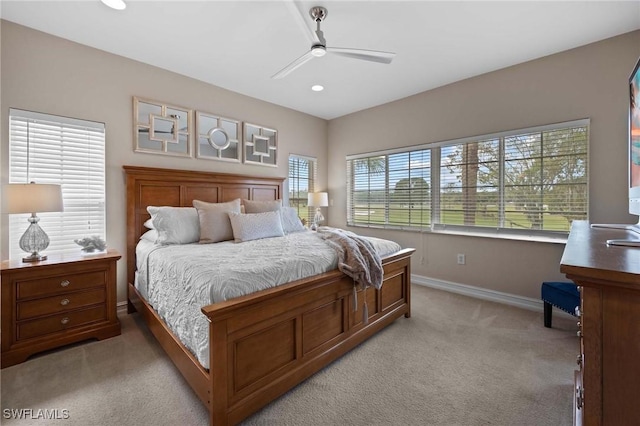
317	199
31	198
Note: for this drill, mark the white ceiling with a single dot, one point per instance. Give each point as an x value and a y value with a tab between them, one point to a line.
239	45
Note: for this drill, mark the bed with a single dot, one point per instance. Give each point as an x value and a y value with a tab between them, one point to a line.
265	343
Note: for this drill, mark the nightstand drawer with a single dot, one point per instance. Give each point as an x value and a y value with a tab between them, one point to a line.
60	303
59	283
52	324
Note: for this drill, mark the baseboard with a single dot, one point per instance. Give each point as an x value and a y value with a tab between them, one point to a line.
485	294
121	307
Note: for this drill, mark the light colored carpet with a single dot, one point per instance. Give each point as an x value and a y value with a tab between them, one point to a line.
456	361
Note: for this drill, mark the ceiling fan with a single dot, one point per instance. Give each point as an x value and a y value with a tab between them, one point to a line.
319	48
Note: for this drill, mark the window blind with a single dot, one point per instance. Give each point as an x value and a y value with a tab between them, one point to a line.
45	148
301	181
525	181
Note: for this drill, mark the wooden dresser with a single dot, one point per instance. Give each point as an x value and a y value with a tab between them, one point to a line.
607	388
61	300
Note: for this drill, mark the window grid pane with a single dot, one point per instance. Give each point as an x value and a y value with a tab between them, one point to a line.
531	180
301	181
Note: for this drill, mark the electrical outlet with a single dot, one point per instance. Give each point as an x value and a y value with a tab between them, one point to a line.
461	259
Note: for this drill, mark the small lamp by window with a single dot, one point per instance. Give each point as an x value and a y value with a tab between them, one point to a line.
31	198
317	199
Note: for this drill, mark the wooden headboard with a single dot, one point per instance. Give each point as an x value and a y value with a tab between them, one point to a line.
178	188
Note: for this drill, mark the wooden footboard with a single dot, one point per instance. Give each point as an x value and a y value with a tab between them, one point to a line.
264	344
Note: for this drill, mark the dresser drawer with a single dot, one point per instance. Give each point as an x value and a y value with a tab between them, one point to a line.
59	322
59	283
59	303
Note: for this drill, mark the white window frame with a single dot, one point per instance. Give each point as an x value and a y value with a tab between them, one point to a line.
293	184
433	222
45	148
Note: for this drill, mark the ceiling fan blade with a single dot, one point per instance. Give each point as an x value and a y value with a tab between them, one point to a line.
367	55
302	20
293	65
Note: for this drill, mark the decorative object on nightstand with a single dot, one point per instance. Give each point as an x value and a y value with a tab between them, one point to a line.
31	198
319	200
91	244
65	299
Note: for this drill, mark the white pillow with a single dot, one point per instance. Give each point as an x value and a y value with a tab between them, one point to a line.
150	235
254	226
251	206
290	221
175	225
149	224
215	225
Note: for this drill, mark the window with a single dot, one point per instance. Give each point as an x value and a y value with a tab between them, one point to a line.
45	148
302	177
531	181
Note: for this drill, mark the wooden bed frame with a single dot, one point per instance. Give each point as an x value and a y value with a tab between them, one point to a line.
263	344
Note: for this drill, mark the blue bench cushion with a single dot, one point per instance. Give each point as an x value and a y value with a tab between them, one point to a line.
563	296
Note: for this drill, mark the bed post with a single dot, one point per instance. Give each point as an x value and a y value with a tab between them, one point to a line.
407	286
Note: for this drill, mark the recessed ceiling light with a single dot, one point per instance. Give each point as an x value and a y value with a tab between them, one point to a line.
115	4
317	88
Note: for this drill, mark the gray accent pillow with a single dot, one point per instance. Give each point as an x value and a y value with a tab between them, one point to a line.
290	221
215	225
255	226
175	225
251	206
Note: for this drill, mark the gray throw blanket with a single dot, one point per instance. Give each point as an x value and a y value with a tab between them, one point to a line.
357	257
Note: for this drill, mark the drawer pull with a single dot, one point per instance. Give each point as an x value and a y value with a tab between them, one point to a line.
64	302
64	283
579	397
64	320
579	333
579	360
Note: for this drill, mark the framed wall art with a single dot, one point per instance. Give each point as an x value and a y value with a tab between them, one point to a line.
218	138
260	145
161	128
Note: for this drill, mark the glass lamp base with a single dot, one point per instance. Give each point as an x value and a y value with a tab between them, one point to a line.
35	257
34	240
317	219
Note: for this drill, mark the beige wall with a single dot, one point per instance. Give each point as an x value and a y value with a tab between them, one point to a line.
587	82
51	75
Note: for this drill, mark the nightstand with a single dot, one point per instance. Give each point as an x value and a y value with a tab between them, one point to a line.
64	299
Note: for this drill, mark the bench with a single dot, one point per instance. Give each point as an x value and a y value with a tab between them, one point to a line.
562	295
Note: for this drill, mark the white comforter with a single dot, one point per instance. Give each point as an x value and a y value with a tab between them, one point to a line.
177	280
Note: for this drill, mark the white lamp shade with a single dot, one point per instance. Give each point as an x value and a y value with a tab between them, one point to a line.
32	198
318	199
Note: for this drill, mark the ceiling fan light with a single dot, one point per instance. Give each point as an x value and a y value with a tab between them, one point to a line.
318	51
115	4
317	88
